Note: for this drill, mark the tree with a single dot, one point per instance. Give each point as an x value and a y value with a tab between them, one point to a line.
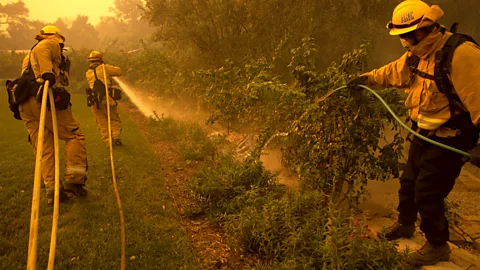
214	30
125	30
82	34
19	32
240	30
129	11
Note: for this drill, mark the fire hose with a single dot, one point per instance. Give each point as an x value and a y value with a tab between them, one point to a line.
115	187
33	237
407	127
384	103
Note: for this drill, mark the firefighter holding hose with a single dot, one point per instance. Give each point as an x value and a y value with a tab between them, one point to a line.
441	74
46	62
96	96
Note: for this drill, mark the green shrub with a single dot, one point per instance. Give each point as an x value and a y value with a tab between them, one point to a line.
166	128
225	186
302	230
286	229
194	144
11	64
333	143
198	146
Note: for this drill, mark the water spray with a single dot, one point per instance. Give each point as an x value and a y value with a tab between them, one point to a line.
136	99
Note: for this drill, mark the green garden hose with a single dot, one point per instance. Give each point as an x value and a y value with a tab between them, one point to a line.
329	93
408	128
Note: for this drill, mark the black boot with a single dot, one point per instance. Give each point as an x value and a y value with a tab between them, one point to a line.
117	142
429	254
76	189
51	196
397	231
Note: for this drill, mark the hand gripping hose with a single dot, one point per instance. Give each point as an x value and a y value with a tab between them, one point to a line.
117	195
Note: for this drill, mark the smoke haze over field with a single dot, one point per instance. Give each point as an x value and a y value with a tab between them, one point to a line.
50	10
88	24
203	34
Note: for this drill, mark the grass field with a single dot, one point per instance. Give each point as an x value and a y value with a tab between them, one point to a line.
89	230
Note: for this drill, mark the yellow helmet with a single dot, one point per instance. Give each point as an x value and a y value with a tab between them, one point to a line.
95	56
407	17
51	30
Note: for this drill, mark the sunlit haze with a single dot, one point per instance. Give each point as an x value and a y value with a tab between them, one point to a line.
50	10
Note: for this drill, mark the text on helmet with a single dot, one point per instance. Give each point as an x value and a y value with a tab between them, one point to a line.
407	17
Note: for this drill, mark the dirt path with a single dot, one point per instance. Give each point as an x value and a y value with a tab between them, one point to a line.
208	240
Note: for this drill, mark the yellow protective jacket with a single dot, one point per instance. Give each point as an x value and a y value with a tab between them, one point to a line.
112	71
427	106
46	57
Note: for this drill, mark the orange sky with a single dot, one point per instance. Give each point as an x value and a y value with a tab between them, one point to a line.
50	10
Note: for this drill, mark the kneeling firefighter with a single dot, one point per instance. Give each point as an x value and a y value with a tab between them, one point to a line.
441	73
96	96
46	62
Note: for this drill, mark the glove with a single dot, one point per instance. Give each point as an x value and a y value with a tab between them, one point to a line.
475	159
16	112
353	83
49	77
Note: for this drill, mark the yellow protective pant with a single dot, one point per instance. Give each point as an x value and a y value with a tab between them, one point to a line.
101	117
68	131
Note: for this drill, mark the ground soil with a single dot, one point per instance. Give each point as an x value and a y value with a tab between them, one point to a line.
209	240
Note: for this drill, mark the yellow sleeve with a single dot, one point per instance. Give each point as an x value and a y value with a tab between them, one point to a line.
25	63
90	78
113	71
43	56
465	77
395	74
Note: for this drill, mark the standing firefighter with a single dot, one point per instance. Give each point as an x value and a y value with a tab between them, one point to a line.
46	62
441	74
96	96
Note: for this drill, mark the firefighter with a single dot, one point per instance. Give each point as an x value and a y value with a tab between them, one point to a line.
48	64
450	116
97	94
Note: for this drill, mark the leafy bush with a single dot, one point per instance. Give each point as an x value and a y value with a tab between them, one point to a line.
194	145
302	230
198	146
166	128
249	97
287	229
224	187
11	64
333	143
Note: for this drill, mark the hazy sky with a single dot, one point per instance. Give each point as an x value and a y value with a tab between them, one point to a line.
50	10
